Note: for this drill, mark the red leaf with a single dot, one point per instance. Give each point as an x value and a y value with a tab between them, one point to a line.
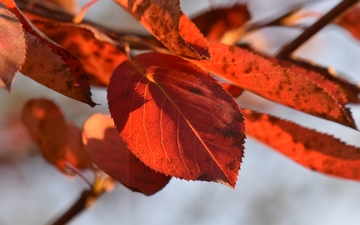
60	143
314	150
260	76
233	90
162	19
215	23
99	54
351	22
109	152
12	46
51	65
178	120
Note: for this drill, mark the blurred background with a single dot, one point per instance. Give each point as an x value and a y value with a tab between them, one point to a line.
271	189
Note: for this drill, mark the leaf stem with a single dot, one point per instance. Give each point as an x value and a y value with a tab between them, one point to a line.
341	8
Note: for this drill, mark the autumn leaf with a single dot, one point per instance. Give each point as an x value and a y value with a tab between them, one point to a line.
98	53
258	75
177	119
351	22
162	19
216	22
60	143
110	153
233	90
321	80
317	151
12	46
51	65
343	90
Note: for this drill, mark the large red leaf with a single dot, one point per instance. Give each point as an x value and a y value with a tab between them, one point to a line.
177	119
60	142
99	54
316	151
50	64
258	75
162	19
110	153
12	46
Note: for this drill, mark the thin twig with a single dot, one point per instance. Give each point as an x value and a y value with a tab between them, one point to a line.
341	8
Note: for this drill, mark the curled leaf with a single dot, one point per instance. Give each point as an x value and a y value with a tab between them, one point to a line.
162	19
177	119
110	153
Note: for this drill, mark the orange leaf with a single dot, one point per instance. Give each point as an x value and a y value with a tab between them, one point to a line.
162	19
60	143
314	150
12	46
177	119
215	23
109	152
98	53
51	65
258	75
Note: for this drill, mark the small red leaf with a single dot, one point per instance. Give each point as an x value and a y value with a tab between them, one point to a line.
162	19
177	119
110	153
233	90
351	22
215	23
258	75
316	151
12	46
99	54
60	143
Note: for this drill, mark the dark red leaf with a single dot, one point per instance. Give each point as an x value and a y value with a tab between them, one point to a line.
258	75
110	153
177	119
233	90
316	151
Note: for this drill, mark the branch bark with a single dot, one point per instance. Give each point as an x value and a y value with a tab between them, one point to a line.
76	208
341	8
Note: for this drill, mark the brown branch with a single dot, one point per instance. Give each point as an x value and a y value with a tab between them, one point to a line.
77	207
342	7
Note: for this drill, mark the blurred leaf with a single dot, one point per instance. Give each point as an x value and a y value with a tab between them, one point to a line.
60	142
110	153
